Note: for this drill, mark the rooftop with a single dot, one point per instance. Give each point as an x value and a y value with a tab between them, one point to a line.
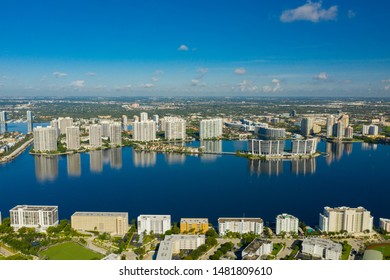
154	216
255	245
34	208
113	214
223	220
328	244
194	220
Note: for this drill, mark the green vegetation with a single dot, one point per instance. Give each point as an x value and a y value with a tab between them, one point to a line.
293	253
226	247
70	251
384	248
277	247
346	250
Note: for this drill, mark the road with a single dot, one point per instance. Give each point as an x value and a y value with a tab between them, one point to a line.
17	152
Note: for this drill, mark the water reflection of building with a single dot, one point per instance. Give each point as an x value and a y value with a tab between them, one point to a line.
269	167
348	148
209	146
74	165
46	168
144	159
303	166
369	146
116	158
335	151
96	161
106	156
172	158
3	127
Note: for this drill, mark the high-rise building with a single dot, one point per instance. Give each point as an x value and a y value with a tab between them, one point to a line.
114	223
124	123
29	122
106	127
370	130
38	217
64	123
352	220
144	117
45	139
136	119
272	133
348	132
158	224
384	224
211	128
95	135
286	223
194	225
3	122
340	130
266	147
330	121
73	138
144	131
175	128
54	124
240	225
116	134
156	119
306	126
322	248
304	147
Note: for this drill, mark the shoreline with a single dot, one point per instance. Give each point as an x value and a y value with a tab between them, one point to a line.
14	155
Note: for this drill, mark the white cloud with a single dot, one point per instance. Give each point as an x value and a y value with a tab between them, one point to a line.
323	76
351	14
154	79
59	74
267	89
194	82
247	86
202	70
309	12
91	74
275	81
147	85
275	87
78	84
183	48
240	71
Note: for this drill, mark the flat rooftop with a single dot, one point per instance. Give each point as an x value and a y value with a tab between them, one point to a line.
255	245
343	208
194	220
223	220
325	243
101	214
34	208
154	216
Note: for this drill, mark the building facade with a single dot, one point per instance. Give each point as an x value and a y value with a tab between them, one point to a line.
114	223
144	131
351	220
307	126
271	133
73	138
30	118
116	133
175	128
240	225
370	130
266	147
304	147
64	123
322	248
256	249
172	244
158	224
194	225
211	128
286	223
45	139
38	217
95	135
384	224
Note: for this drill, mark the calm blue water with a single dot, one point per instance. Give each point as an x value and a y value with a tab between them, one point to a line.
202	186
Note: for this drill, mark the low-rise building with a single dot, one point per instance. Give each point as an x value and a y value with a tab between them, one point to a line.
158	224
114	223
240	225
34	216
322	248
256	249
286	223
172	244
194	225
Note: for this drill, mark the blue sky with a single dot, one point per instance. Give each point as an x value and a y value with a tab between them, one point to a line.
219	47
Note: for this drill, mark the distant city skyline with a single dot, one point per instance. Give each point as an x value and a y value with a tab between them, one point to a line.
195	48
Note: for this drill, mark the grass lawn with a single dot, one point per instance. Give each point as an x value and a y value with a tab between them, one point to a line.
346	251
70	251
384	248
276	248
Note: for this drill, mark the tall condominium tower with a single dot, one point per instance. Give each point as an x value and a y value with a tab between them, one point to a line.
64	123
116	133
54	124
3	122
211	128
29	122
175	128
144	116
45	139
306	126
95	135
286	223
106	127
144	131
125	123
73	138
344	218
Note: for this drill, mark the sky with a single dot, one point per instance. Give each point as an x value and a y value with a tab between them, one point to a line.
195	48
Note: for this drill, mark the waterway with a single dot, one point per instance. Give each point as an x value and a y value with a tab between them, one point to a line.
209	186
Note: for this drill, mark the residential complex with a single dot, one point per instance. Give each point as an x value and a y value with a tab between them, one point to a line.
172	244
211	128
322	248
351	220
114	223
266	147
307	126
370	130
144	131
384	224
158	224
240	225
73	138
38	217
30	118
95	135
256	249
286	223
194	225
175	128
45	139
64	123
304	147
338	127
271	133
116	133
3	122
124	123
